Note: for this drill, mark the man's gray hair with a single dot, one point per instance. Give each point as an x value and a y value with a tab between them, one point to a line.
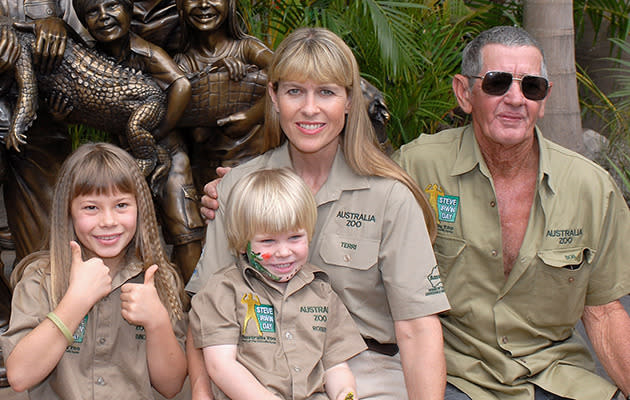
511	36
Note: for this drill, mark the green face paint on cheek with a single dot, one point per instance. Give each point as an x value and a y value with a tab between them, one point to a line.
254	260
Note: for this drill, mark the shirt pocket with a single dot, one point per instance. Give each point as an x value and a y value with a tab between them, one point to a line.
447	250
350	251
561	281
40	9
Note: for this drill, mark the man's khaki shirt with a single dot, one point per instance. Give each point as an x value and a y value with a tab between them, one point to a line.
370	239
108	358
500	335
287	337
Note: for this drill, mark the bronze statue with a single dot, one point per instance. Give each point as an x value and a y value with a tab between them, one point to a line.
216	47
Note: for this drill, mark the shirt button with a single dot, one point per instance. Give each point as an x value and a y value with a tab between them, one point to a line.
493	203
102	341
297	369
347	258
494	253
504	339
571	279
100	381
288	335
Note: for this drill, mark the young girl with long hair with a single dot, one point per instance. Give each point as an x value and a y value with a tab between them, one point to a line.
99	314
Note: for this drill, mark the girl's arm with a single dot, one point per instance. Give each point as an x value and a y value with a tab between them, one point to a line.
200	384
141	305
38	353
339	382
231	376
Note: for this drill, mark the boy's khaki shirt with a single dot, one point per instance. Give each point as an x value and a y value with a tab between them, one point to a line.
287	338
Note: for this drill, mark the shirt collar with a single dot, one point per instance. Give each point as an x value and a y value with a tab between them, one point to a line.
305	275
340	178
469	156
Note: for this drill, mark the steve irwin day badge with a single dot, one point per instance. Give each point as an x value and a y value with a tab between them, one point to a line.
445	206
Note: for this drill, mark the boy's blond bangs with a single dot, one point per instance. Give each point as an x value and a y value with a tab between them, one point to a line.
268	201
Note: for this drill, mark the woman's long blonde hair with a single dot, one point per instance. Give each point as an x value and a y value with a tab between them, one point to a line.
103	168
320	55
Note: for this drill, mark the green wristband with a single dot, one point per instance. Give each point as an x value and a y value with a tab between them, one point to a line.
62	327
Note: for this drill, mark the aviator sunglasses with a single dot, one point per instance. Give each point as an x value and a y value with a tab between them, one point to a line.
497	83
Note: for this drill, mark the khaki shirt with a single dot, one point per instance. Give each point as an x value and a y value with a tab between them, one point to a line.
370	239
501	335
287	338
108	357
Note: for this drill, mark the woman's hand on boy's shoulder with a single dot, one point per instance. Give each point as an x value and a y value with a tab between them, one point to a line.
209	200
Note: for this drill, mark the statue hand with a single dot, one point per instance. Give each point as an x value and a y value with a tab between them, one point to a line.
238	116
50	41
59	106
235	67
9	49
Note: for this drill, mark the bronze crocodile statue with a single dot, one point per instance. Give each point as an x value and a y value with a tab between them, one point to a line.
127	103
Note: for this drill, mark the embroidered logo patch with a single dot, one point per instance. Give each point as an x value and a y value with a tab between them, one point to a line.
266	320
79	334
447	208
436	283
261	314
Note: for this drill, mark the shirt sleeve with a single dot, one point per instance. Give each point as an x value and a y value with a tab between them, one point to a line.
611	279
213	315
29	306
409	269
343	339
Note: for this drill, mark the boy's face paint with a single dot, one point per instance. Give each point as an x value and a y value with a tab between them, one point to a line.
278	256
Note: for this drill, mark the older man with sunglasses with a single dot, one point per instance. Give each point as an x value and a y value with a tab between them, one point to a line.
531	238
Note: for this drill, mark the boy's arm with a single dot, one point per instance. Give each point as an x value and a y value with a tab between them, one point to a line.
231	376
340	383
177	97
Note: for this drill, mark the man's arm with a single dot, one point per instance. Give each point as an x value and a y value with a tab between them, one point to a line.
607	327
422	356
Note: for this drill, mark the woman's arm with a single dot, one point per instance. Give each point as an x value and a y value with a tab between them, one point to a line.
422	357
339	382
231	376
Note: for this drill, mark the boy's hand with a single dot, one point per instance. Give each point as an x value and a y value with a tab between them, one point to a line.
141	304
50	41
89	280
9	49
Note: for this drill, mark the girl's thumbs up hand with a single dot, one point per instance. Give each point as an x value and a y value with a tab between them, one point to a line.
89	280
141	304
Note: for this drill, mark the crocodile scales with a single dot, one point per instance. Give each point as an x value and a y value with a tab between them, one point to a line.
117	99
